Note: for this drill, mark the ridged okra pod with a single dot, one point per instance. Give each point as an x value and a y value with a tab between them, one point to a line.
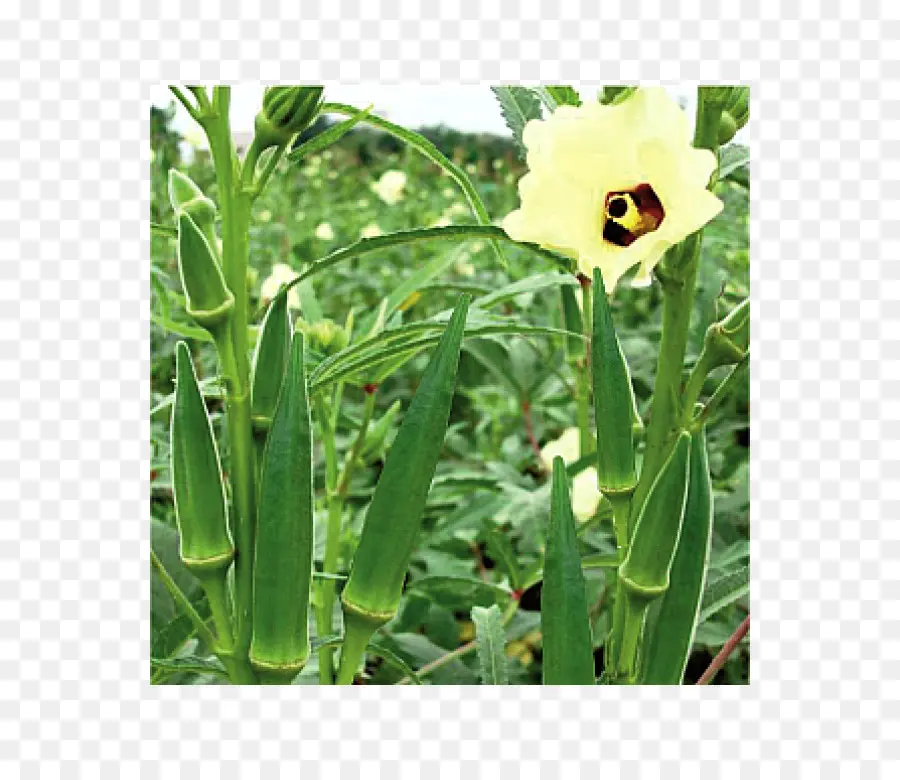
394	517
669	644
186	197
200	509
644	574
565	623
614	405
208	299
283	562
273	347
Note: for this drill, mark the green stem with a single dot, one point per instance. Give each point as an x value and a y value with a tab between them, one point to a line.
678	277
621	506
586	442
234	354
635	612
182	601
337	494
357	633
183	99
694	387
721	393
216	588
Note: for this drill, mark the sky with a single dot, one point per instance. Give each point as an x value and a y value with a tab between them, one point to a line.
470	108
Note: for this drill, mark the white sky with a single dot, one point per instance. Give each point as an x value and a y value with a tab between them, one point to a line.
470	108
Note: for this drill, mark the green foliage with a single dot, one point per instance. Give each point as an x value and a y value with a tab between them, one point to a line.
519	106
487	512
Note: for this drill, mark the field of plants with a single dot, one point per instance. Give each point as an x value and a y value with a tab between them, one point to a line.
470	611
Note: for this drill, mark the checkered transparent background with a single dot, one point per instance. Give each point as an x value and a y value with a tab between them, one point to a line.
74	241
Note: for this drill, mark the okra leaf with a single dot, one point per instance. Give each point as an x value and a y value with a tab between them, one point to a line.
731	158
724	591
531	284
555	96
519	105
501	550
190	664
565	623
490	640
459	592
180	328
378	648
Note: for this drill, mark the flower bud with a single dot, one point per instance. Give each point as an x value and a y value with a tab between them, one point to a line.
323	336
209	301
735	113
286	111
727	341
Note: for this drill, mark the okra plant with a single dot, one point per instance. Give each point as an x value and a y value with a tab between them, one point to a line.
307	505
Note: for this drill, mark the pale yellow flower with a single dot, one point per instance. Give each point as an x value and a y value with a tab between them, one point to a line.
390	186
444	221
566	446
325	232
614	186
464	268
372	230
281	274
265	215
585	494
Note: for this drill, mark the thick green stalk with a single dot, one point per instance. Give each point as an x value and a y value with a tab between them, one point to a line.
678	276
235	211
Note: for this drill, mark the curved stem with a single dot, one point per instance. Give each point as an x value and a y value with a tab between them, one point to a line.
722	656
694	387
183	99
583	375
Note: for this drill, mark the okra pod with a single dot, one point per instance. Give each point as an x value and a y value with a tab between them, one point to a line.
283	562
200	508
186	197
644	574
614	405
272	350
206	546
669	644
394	517
565	623
209	301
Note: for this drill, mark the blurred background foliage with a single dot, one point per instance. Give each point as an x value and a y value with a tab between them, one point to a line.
483	531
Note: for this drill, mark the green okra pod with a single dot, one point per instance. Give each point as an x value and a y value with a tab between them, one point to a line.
209	301
614	404
206	546
272	350
727	341
282	571
200	508
669	644
186	197
565	623
645	570
644	574
394	517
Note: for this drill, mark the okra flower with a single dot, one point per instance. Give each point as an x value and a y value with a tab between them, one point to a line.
613	186
325	232
585	494
390	186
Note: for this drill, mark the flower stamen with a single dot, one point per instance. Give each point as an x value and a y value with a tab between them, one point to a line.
630	215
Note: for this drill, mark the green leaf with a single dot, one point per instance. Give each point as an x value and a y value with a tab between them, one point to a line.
530	284
413	283
724	591
501	551
328	137
431	152
211	387
180	328
190	664
417	651
166	231
367	246
731	158
489	644
668	644
459	592
555	96
379	648
519	106
615	94
600	561
568	647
